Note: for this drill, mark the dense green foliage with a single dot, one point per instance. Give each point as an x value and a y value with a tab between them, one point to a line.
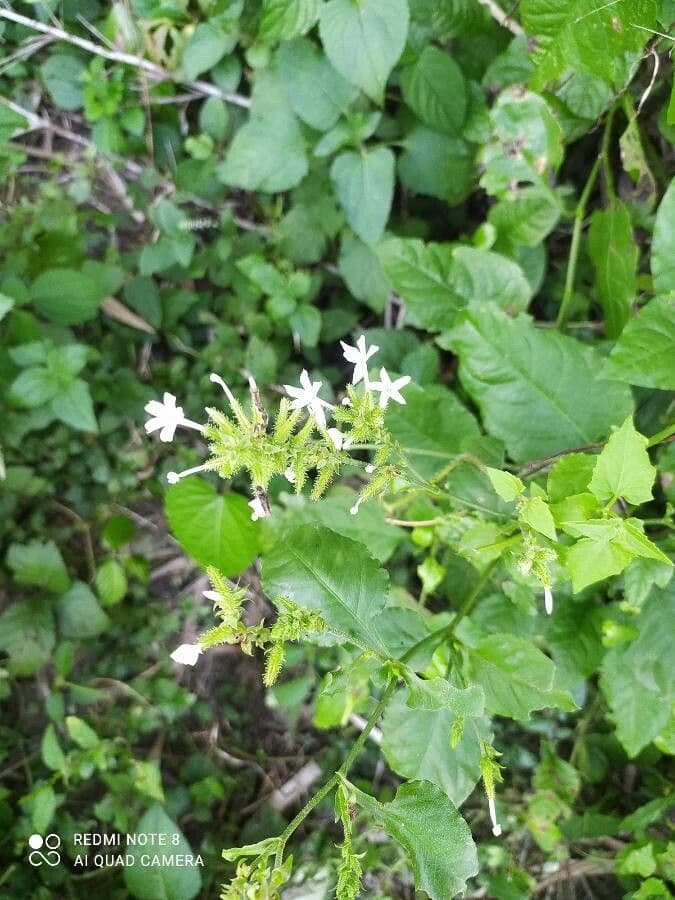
470	567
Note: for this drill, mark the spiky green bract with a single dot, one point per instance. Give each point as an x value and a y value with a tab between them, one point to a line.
259	880
491	770
349	874
364	418
292	624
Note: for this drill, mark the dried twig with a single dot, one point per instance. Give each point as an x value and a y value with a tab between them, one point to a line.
152	69
500	16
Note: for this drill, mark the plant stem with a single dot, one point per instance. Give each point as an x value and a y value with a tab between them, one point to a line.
661	436
580	214
342	771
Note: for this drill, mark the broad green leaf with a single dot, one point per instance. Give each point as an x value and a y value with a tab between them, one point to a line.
81	733
432	427
33	387
40	564
436	164
73	405
574	637
364	186
50	749
623	468
43	807
206	46
536	513
332	511
268	152
570	475
6	304
363	274
508	486
433	87
27	635
66	296
663	243
614	254
320	569
167	882
417	744
573	36
527	218
439	693
517	677
481	276
80	615
538	390
643	355
318	94
215	529
638	678
282	20
111	582
422	275
213	118
364	40
61	75
431	830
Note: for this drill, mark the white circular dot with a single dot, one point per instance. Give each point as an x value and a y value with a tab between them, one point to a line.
35	841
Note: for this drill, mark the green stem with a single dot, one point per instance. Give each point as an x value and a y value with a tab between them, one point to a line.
661	436
342	771
579	216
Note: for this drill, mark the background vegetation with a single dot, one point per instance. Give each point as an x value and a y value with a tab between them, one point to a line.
235	187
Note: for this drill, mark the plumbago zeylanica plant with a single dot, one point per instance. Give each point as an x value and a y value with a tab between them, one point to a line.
565	522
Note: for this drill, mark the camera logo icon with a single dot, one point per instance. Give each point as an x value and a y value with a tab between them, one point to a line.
44	849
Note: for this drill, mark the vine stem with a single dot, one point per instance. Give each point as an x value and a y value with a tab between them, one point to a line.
579	216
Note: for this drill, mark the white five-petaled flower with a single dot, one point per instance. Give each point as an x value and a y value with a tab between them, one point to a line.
307	396
548	599
338	440
165	417
258	511
390	390
496	827
359	356
187	654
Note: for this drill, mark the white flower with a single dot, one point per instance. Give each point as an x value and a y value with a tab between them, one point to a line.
166	417
496	827
359	356
355	507
187	654
339	441
370	468
258	511
289	475
216	379
548	599
307	396
389	390
175	477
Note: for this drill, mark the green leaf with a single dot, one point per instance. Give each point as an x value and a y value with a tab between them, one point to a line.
364	40
439	693
319	569
82	734
538	390
364	186
614	254
663	243
111	582
27	635
527	218
318	94
623	468
282	20
215	529
431	830
508	486
363	274
417	744
570	475
43	807
422	275
33	387
207	46
641	706
481	276
536	513
516	677
66	296
6	304
643	355
80	615
434	89
61	75
268	152
40	564
167	882
52	754
73	406
432	427
436	164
